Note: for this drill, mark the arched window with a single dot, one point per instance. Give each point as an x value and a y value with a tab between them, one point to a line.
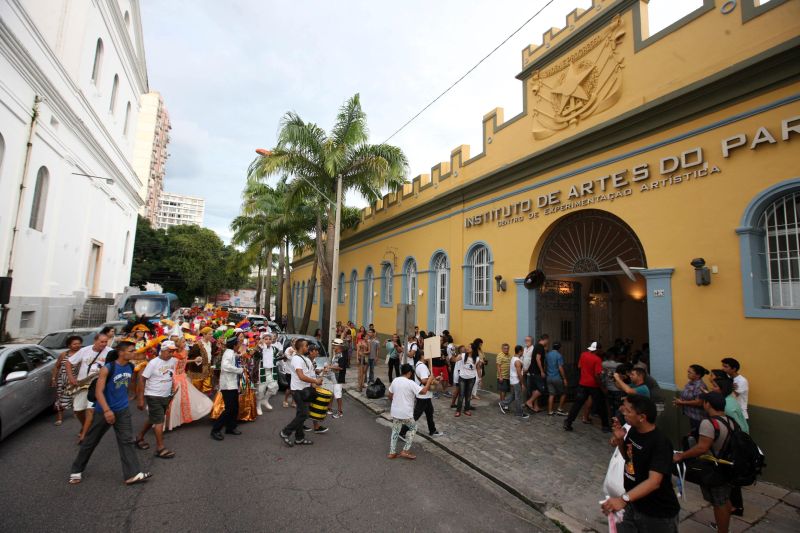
317	288
439	293
39	199
341	288
369	288
478	277
354	296
127	119
769	238
125	250
114	90
387	285
410	281
98	61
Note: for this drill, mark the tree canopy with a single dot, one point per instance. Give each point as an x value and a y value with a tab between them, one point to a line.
188	260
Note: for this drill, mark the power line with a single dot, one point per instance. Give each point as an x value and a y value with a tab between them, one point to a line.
496	48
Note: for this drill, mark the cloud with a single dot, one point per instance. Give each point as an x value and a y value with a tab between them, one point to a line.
228	71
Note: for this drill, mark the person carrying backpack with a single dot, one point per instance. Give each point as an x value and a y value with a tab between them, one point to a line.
715	433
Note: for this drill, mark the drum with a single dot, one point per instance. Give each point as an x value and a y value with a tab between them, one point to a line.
318	408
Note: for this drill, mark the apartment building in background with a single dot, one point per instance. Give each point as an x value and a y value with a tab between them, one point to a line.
150	151
179	210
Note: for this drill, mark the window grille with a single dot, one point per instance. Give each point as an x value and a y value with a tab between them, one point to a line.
781	225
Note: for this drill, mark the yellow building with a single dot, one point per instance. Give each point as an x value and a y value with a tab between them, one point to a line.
634	155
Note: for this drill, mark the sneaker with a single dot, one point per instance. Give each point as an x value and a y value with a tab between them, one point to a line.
503	409
402	438
321	429
561	413
551	413
330	412
437	434
336	415
447	394
306	428
524	416
435	395
568	427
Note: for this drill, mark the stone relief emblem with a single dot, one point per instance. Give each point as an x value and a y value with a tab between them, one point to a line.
587	81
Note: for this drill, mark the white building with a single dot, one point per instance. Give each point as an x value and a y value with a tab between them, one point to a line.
65	236
179	210
150	151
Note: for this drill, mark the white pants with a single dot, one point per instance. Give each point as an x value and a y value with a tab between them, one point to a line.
266	389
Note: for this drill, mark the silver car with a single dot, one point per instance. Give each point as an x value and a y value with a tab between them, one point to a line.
25	374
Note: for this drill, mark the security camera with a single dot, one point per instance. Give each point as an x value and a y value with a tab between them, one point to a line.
698	262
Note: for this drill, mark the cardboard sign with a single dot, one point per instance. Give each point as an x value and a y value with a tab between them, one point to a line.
432	348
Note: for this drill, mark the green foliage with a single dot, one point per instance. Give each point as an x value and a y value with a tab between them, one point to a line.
188	260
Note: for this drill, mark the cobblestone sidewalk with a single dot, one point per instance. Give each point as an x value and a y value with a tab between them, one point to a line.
561	473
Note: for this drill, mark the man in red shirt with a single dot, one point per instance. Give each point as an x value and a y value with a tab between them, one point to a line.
591	367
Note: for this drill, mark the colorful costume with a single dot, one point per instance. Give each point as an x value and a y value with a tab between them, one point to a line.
247	393
200	374
189	404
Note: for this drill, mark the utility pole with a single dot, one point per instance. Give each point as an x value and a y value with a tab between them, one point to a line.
335	269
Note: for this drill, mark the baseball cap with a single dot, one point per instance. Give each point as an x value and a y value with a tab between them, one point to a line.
592	347
167	345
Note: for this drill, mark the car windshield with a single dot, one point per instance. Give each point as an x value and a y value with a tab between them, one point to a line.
154	306
57	341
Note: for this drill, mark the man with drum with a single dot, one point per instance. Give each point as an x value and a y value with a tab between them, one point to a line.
319	406
302	378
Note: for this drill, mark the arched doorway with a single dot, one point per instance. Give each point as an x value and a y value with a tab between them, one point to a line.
588	295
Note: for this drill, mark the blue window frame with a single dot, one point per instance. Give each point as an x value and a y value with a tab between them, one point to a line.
354	297
369	296
478	272
769	248
341	288
387	285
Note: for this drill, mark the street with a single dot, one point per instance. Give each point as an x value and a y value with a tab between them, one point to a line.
251	482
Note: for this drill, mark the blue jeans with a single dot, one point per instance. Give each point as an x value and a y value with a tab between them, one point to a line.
371	374
514	396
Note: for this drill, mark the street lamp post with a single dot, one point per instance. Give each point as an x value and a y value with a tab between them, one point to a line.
335	266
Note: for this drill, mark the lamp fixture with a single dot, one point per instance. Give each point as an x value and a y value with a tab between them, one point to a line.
501	283
702	275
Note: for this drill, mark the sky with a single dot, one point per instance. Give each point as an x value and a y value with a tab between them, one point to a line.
228	72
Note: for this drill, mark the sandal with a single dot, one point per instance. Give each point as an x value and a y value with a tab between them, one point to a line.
74	479
287	439
141	477
165	453
142	444
305	442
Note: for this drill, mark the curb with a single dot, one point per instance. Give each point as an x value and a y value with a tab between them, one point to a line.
541	507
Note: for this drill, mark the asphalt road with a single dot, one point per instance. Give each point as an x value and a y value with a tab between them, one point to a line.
252	482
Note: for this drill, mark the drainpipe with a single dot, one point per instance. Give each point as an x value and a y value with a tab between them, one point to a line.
26	165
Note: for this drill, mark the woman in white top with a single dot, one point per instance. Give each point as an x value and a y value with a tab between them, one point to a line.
470	367
458	363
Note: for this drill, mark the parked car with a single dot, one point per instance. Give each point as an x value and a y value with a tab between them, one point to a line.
56	341
25	374
288	338
274	326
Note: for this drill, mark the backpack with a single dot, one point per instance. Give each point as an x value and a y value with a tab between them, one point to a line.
740	449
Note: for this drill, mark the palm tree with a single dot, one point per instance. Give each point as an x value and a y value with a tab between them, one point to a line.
316	159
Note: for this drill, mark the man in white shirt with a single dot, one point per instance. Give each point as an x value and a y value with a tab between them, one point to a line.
411	350
267	384
516	381
230	370
741	388
303	376
403	392
89	359
155	388
527	354
424	403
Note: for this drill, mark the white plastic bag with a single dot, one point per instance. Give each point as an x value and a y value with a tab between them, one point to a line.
614	483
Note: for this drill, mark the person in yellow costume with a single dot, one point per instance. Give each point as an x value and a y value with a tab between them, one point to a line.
201	374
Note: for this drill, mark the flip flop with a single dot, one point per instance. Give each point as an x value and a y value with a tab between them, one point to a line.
142	444
165	453
141	477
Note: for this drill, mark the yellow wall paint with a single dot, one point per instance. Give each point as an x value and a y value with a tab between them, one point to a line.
674	224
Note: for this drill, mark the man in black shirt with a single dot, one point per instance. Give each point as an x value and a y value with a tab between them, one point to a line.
649	501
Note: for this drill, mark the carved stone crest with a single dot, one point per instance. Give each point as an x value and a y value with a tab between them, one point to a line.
587	81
